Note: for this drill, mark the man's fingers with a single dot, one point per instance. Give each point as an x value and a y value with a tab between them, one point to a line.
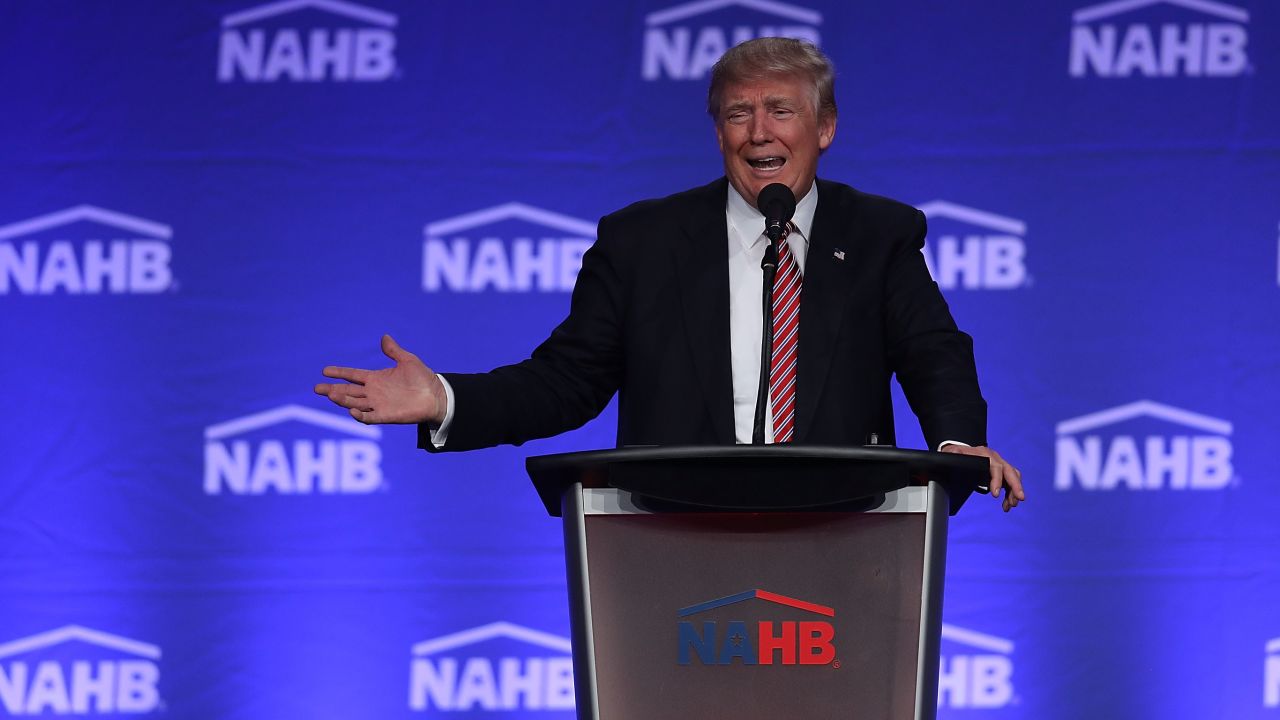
1013	493
368	416
348	399
1003	475
1013	481
329	389
392	349
354	375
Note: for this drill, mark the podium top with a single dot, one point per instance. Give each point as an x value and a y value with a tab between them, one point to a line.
757	477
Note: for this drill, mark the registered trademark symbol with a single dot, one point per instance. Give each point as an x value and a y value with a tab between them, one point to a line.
836	664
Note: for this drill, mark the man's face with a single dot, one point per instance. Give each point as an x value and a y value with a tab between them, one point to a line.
769	131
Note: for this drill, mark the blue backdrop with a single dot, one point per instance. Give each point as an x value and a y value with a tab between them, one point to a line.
203	203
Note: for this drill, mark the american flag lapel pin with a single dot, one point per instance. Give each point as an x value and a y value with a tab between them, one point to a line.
838	254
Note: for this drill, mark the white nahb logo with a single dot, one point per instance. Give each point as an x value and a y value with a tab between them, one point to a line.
459	255
977	680
677	49
989	254
443	678
1199	458
131	256
348	464
32	686
1216	48
320	54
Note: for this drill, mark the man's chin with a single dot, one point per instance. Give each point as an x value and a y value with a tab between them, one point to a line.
750	188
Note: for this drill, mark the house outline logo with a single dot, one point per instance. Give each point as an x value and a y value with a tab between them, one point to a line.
456	260
286	413
756	594
334	7
976	680
509	211
299	467
992	260
973	216
450	681
251	52
675	48
1120	7
1200	461
702	7
803	642
88	213
80	686
134	265
975	639
1143	408
69	633
1216	48
493	630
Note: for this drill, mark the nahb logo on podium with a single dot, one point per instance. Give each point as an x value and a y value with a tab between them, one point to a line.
1143	446
974	249
335	41
763	642
975	670
1271	674
512	248
1199	38
684	41
85	250
496	667
292	450
77	671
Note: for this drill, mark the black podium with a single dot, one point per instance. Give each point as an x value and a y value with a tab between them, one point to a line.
756	582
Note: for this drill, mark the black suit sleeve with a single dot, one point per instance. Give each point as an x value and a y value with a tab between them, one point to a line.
933	359
566	381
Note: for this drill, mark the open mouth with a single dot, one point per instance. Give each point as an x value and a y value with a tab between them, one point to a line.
767	163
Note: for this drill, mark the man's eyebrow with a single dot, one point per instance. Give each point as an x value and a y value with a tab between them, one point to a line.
737	105
779	101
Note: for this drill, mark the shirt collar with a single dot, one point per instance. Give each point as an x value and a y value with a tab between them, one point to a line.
749	222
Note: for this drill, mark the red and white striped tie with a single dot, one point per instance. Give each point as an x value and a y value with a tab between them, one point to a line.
786	342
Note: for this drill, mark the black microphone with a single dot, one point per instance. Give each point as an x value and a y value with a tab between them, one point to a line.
778	204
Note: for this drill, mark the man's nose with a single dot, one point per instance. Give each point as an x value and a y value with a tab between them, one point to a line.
760	131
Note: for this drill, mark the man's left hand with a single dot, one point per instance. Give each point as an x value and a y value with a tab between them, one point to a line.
1003	475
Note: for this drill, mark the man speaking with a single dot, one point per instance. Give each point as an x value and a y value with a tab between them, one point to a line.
669	308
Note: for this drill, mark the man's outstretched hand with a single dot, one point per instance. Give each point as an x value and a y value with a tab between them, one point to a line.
1003	475
407	393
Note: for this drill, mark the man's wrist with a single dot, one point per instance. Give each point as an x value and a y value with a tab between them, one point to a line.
440	433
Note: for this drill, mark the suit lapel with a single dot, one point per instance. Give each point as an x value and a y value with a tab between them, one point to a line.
702	269
822	306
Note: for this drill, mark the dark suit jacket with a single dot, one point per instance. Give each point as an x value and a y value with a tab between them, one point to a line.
650	319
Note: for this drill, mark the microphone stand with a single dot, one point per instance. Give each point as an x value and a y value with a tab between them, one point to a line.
769	264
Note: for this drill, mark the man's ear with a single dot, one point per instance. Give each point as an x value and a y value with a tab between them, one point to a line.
826	130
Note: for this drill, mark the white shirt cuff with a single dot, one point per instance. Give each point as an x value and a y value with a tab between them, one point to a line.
441	434
941	445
